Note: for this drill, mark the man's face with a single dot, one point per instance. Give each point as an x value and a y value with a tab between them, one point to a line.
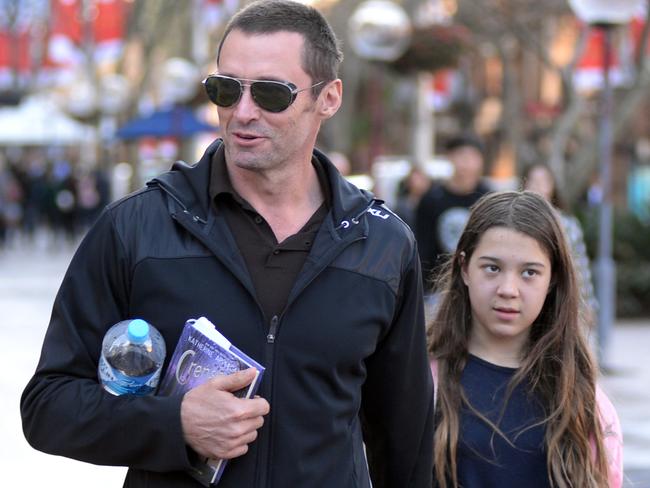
256	139
468	166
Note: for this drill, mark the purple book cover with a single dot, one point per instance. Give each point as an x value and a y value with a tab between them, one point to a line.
202	353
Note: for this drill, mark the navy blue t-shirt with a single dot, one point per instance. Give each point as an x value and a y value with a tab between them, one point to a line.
485	459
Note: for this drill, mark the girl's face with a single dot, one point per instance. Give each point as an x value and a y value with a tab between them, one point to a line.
508	277
540	181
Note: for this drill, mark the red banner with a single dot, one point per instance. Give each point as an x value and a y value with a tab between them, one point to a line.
589	70
105	32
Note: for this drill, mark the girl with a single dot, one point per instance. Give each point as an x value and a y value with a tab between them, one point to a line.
516	396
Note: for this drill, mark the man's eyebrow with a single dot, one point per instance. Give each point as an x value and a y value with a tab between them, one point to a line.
263	78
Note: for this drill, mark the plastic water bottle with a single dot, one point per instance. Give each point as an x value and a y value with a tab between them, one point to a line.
132	356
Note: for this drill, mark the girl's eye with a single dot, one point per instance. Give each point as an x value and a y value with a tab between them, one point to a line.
491	268
529	273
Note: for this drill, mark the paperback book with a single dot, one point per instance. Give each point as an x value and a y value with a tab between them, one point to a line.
202	353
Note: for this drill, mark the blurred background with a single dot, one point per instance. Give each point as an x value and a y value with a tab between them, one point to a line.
98	96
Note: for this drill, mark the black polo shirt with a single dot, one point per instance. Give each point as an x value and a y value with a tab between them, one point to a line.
273	266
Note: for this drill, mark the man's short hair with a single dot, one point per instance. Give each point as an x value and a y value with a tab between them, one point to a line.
321	54
464	140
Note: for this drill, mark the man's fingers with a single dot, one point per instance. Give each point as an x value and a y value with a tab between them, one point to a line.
237	381
234	382
236	447
218	424
244	428
233	453
259	406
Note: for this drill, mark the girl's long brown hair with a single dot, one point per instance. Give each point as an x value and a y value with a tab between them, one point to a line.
556	363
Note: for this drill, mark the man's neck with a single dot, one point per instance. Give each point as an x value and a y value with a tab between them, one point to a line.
286	199
461	187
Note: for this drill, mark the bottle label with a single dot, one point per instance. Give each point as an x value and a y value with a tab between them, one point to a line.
117	383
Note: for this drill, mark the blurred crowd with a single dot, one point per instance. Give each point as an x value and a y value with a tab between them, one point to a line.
437	211
48	189
51	191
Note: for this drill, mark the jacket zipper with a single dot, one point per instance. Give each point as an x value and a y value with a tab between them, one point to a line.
271	337
275	320
263	469
273	330
266	452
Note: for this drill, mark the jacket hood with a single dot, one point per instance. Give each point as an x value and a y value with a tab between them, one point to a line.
187	185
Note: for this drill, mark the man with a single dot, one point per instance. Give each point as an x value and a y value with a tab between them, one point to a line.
443	211
307	274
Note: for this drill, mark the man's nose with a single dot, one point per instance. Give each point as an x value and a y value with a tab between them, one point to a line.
246	108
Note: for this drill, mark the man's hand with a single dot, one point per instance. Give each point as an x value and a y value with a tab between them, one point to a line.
217	424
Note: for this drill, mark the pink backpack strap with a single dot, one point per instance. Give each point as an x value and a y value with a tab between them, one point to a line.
434	374
612	438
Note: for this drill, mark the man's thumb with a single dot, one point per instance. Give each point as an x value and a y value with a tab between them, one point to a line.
235	381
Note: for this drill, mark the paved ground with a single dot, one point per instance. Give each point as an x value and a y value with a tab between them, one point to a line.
30	274
29	279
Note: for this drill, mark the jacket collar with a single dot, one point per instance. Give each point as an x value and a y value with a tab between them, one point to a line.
188	186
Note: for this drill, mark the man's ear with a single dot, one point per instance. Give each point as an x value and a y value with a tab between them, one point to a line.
331	98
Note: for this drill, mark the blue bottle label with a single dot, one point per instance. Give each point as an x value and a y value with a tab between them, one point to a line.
118	383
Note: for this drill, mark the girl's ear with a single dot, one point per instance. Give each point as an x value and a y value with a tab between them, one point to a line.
462	262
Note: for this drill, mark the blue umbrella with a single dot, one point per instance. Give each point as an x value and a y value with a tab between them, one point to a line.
173	122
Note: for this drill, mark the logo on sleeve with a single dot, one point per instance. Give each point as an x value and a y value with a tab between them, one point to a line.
377	213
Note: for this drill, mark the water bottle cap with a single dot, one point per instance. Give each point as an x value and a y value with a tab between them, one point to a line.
138	331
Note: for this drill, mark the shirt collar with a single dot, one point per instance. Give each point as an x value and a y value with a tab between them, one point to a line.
220	184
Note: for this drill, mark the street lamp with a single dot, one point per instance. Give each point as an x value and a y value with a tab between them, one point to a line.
605	15
379	31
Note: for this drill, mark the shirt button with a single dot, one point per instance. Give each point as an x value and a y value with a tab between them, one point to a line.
276	252
258	219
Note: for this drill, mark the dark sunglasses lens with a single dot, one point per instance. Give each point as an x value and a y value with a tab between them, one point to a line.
271	96
223	92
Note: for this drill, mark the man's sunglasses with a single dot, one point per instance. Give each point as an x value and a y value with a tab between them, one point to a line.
272	96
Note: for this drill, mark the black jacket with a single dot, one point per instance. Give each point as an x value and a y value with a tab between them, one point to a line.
348	363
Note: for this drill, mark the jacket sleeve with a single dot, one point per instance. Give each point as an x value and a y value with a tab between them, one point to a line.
397	405
64	409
